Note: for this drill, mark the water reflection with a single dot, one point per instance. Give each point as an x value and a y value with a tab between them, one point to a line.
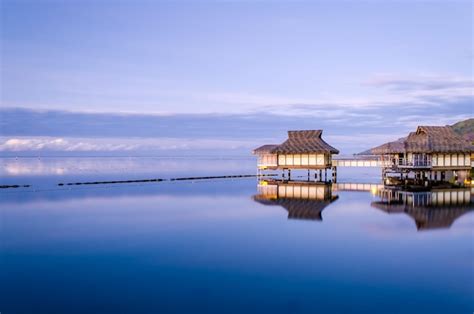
433	209
302	200
429	209
60	166
149	246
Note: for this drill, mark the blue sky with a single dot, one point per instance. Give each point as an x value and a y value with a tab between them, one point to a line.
365	71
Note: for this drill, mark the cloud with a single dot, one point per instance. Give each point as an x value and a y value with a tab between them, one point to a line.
20	144
350	131
155	96
58	144
401	104
421	82
422	92
430	119
385	90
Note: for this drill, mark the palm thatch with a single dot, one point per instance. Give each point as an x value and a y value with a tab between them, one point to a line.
299	208
427	139
427	217
301	142
394	147
264	149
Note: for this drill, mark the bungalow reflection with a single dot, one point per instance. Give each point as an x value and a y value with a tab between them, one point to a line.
434	209
302	199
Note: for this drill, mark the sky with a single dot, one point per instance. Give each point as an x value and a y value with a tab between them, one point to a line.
188	76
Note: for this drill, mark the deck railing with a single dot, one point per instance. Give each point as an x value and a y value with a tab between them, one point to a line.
414	163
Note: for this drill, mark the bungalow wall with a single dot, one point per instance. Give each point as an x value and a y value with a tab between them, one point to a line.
310	192
304	160
268	191
269	160
451	160
451	197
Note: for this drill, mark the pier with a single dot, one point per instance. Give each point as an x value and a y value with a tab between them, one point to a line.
356	162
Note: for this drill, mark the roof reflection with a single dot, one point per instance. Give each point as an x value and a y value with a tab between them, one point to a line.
302	200
429	209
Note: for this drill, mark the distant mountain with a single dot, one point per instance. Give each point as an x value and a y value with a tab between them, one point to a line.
465	129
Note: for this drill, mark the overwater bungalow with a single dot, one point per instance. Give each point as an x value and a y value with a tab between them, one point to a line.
302	150
302	200
430	154
429	209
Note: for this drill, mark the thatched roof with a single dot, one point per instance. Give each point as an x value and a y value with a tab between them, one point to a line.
302	207
299	208
264	149
427	139
300	142
425	217
394	147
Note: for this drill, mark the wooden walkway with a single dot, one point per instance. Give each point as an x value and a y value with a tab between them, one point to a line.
354	162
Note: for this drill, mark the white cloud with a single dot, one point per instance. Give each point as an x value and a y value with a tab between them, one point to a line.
404	92
18	144
146	96
413	121
420	82
57	144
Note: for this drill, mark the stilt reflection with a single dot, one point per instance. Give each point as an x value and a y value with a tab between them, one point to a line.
429	209
302	200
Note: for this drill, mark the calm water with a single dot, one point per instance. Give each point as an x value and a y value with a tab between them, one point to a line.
228	245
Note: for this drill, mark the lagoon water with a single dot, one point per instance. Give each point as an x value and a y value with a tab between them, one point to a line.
221	245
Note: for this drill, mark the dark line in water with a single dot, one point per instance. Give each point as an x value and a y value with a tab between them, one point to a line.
15	186
172	179
112	182
218	177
